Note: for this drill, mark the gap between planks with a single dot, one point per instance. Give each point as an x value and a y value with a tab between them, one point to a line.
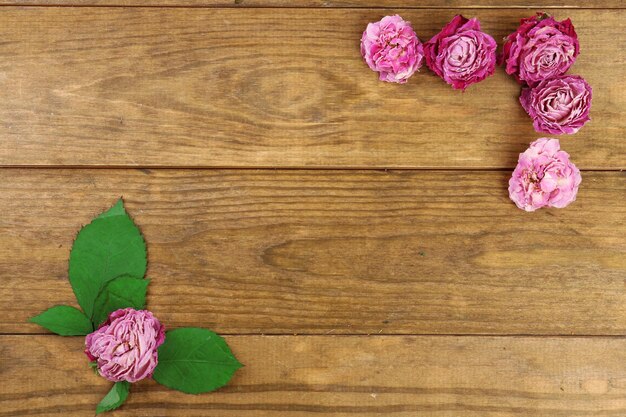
440	335
349	7
279	168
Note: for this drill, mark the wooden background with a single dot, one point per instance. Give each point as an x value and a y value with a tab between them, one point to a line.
352	239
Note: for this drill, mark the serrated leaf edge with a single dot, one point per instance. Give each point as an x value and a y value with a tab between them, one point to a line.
126	390
99	218
34	320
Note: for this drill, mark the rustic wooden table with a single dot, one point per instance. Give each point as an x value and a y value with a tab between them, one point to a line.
352	239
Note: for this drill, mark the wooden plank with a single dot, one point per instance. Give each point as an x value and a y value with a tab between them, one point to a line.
317	252
329	3
250	88
305	376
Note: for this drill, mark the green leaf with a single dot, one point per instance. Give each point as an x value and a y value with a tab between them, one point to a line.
64	320
109	247
94	367
194	360
120	292
114	398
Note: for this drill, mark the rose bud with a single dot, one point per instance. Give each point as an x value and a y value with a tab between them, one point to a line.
391	48
544	177
558	105
540	48
125	346
461	54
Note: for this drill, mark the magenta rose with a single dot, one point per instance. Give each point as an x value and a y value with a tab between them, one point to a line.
544	177
540	48
125	346
391	48
558	105
461	54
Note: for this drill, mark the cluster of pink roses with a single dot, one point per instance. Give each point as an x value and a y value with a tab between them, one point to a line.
460	54
537	54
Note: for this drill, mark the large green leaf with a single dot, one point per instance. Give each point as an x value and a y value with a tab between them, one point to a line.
110	246
114	398
120	292
64	320
194	360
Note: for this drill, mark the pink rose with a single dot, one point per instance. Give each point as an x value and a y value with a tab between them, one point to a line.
125	346
558	105
461	54
544	177
391	48
540	48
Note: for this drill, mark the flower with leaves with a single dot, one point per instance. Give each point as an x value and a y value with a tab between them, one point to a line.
107	267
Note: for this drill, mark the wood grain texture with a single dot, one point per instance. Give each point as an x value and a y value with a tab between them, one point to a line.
330	3
261	88
338	252
343	376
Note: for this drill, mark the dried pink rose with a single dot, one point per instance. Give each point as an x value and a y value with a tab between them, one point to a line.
461	54
391	48
558	105
544	177
540	48
125	346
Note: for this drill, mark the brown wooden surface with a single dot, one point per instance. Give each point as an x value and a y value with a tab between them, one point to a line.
389	292
268	88
345	376
330	251
417	4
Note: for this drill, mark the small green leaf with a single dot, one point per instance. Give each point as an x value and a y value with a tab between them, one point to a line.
120	292
194	360
114	398
109	247
94	367
64	320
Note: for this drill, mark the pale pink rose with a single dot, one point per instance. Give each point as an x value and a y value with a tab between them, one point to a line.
558	105
540	48
461	54
544	177
391	48
125	346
